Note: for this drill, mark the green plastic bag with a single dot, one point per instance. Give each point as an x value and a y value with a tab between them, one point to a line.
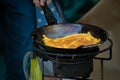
35	71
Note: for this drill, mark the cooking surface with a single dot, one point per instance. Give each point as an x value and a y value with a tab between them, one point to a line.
52	32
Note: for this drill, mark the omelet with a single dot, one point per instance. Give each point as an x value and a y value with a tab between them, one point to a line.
71	41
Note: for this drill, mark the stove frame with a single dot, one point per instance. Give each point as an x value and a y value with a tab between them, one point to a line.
40	51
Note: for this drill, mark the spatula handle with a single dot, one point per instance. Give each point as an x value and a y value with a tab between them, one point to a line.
48	14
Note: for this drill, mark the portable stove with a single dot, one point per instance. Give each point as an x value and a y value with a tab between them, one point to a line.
73	66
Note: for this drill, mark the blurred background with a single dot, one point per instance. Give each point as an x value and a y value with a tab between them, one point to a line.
102	13
75	9
106	14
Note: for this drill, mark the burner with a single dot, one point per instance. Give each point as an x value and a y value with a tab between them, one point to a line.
77	65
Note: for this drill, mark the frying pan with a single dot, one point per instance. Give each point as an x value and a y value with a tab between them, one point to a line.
57	30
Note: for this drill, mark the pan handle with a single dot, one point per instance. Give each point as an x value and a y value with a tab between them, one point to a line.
48	14
60	10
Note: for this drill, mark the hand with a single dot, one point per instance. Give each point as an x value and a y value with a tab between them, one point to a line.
40	3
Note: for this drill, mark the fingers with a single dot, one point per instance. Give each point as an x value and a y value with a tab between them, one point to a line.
40	3
49	1
37	3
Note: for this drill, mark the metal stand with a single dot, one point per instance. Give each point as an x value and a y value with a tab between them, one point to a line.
103	59
44	54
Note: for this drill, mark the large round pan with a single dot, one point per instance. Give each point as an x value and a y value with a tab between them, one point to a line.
57	30
64	29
